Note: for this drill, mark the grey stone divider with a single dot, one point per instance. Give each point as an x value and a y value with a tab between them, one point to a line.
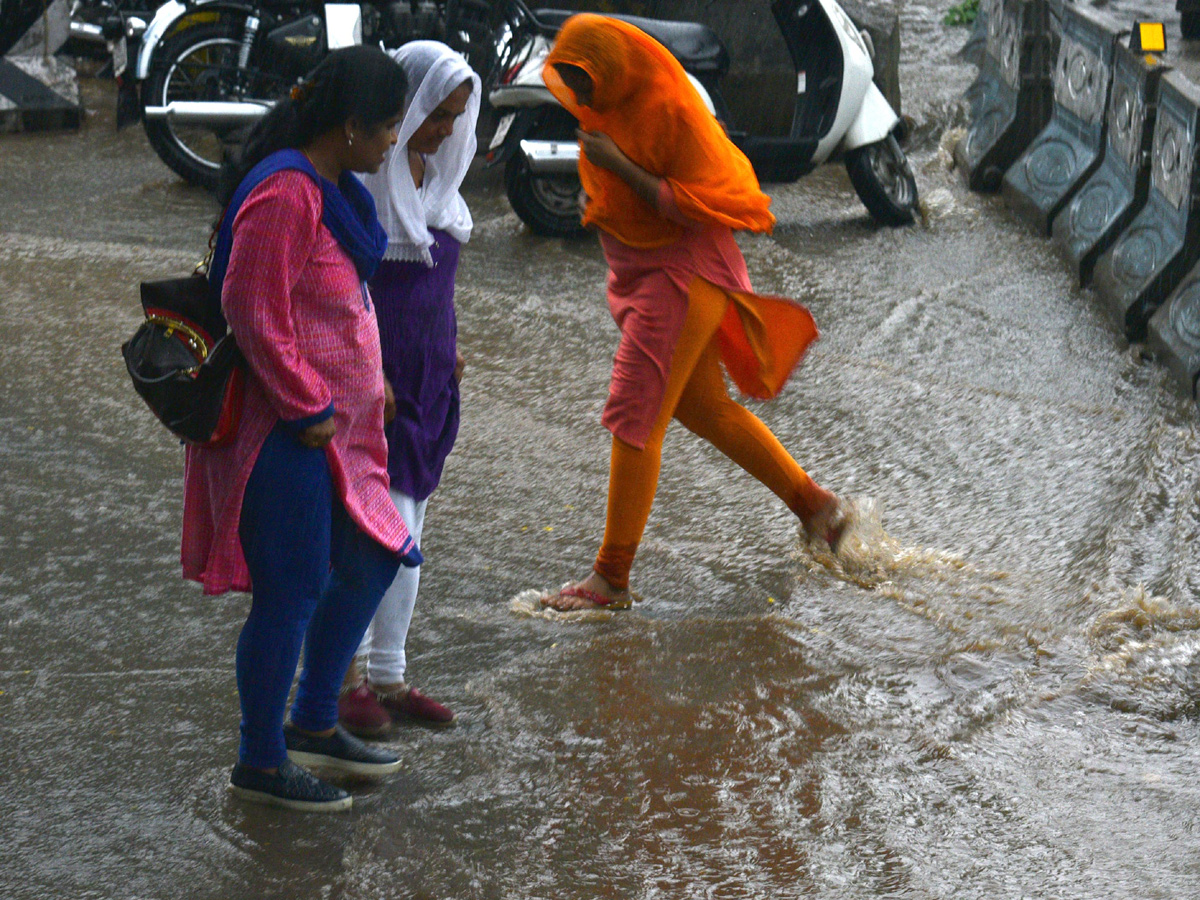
1119	193
37	89
1012	97
1071	147
1104	206
1135	275
1174	332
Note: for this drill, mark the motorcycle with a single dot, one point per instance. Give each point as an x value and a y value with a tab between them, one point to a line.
209	69
840	113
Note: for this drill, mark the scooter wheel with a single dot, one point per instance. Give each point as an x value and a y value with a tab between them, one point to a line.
884	181
549	206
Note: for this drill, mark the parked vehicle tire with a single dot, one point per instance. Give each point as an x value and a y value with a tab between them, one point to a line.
549	206
884	181
200	63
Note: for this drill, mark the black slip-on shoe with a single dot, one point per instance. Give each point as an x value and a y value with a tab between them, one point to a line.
291	787
341	751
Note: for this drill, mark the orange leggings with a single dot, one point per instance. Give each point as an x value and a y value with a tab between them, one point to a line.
695	394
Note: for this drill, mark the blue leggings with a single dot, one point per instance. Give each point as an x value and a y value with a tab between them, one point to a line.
317	580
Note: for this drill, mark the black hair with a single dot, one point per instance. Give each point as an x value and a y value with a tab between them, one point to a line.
357	82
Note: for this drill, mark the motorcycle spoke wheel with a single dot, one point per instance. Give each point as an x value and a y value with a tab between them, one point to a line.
200	64
206	72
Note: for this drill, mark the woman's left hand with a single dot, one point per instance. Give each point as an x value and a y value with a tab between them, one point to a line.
460	366
600	149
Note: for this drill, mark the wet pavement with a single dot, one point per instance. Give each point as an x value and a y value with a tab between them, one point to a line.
996	698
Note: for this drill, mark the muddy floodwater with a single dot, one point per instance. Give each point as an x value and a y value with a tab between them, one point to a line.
996	697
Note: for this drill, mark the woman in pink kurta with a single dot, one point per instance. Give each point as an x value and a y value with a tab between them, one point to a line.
313	346
296	509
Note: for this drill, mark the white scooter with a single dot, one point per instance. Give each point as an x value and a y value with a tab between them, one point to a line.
840	112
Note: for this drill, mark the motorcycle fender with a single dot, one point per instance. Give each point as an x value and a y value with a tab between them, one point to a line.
164	17
129	105
875	120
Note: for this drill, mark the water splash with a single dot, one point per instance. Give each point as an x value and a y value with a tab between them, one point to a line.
528	603
870	557
1147	655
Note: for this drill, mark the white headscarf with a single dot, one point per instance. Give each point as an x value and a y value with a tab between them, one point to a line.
406	212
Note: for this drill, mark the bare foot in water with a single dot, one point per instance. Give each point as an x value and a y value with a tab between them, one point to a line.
829	524
591	593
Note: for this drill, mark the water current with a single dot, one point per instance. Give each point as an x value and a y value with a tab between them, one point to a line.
994	695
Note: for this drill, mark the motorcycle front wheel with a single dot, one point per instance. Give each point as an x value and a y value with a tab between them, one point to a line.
201	63
884	181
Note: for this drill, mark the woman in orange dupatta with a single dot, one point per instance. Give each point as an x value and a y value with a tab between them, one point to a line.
666	188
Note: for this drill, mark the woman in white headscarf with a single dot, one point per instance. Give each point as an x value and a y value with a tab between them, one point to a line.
426	219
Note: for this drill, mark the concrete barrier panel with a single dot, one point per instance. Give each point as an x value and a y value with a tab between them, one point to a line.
1162	242
1071	147
1011	99
1174	332
975	47
1105	204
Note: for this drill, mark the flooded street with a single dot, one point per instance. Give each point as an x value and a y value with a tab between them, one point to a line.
997	697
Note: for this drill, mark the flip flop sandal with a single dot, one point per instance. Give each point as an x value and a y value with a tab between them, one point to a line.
601	601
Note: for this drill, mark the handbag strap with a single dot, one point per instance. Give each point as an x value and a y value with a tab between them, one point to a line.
205	264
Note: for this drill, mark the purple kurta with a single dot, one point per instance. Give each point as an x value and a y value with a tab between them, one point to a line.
418	333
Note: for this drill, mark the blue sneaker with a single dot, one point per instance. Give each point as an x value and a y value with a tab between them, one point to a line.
290	787
341	751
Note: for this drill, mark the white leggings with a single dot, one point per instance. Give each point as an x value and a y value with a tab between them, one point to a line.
383	645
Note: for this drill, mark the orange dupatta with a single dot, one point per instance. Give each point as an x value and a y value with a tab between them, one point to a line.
643	100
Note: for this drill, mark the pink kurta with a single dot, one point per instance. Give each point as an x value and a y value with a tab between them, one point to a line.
300	314
761	338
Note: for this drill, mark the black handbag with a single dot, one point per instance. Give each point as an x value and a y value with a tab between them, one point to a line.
185	363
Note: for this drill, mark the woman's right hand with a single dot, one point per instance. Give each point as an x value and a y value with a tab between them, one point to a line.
319	435
389	402
601	150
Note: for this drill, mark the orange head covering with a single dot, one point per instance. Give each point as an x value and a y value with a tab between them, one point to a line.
643	100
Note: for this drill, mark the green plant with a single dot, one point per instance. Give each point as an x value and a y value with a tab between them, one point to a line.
963	13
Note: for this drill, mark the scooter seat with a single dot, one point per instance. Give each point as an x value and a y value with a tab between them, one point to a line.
696	46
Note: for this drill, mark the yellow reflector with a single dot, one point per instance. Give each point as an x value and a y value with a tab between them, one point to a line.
1152	36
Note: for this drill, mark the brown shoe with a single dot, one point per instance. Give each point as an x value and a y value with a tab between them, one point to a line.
361	713
411	704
